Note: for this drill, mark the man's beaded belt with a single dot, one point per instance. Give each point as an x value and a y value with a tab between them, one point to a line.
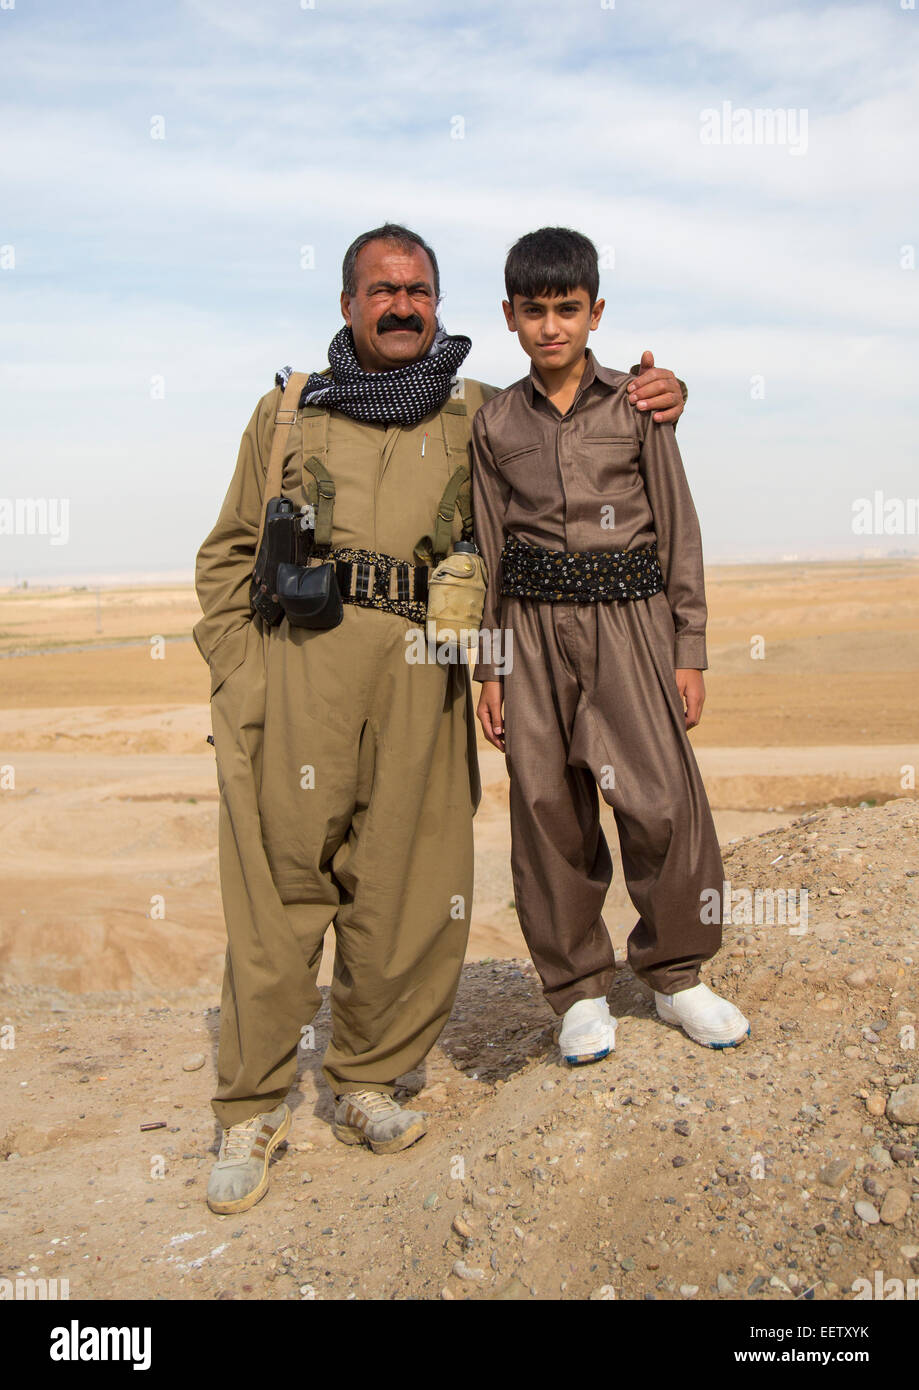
579	576
373	580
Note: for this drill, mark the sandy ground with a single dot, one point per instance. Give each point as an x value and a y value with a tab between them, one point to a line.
783	1169
111	950
110	877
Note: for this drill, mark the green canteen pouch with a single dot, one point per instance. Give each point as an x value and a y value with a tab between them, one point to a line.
456	598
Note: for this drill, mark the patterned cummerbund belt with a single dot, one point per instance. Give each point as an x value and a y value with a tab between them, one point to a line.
373	580
579	576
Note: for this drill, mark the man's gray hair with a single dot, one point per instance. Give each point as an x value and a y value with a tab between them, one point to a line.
390	231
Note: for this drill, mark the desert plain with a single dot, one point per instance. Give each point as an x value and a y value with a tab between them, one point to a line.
111	955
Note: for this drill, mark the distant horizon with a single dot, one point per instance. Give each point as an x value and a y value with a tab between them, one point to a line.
106	579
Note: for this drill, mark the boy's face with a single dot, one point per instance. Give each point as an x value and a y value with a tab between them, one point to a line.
553	329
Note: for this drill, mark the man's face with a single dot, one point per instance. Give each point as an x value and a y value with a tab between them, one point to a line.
553	329
393	312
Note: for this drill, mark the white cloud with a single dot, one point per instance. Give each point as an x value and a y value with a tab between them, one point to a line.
288	126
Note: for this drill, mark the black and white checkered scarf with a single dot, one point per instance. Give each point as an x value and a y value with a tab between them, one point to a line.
399	397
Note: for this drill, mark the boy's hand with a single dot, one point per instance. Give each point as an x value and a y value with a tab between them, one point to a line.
489	714
692	692
657	389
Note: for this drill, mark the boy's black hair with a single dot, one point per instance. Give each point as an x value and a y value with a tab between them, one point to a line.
553	260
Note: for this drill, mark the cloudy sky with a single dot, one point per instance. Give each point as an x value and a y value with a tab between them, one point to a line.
180	180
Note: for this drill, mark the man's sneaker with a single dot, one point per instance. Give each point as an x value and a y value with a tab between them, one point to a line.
240	1175
588	1032
704	1016
370	1117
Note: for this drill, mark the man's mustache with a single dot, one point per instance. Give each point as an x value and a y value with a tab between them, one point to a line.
389	323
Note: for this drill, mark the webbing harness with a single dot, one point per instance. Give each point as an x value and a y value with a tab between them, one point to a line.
370	578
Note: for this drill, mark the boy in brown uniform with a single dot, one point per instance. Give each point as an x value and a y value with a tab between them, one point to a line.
585	521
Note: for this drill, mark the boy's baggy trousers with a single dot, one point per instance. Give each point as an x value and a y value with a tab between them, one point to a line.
591	700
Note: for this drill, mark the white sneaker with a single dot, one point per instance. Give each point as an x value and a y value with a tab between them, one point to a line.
704	1016
588	1032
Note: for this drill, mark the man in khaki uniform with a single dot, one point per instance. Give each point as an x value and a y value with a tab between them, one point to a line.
347	773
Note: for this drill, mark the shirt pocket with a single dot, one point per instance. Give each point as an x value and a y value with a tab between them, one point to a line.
609	463
532	479
529	450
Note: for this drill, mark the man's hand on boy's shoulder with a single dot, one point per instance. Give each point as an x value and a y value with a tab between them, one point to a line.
657	389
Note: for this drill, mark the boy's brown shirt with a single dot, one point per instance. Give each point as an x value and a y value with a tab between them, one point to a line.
602	477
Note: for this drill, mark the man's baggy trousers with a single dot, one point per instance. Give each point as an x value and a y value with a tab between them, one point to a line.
591	700
346	797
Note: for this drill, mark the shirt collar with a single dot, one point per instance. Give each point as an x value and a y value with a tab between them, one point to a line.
593	372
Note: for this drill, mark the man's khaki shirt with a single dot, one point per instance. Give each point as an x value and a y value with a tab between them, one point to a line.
602	477
388	480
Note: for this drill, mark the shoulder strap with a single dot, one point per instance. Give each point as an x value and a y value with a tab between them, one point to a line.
455	494
284	418
322	498
456	427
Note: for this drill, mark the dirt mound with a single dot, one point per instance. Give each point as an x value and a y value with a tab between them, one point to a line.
774	1170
